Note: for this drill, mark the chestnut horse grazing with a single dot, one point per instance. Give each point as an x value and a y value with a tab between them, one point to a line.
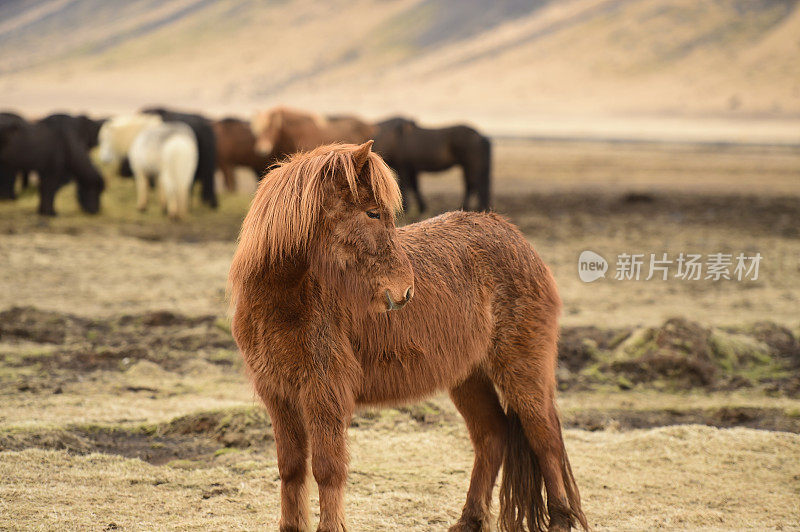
335	307
282	131
236	146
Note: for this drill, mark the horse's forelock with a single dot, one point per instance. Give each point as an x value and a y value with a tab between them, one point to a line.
287	204
383	184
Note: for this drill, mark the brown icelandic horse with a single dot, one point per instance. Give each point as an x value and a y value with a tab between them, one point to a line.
281	131
236	146
474	310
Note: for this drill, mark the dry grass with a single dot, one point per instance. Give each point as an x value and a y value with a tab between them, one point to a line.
685	477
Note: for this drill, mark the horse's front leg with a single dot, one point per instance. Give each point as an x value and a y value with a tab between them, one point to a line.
328	411
291	442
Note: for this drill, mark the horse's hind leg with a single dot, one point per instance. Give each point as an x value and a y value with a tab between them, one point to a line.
49	185
527	381
413	180
469	188
403	181
183	200
291	443
163	198
523	366
142	186
477	401
7	181
228	176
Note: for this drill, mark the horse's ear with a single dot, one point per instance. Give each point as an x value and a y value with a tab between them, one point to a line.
361	154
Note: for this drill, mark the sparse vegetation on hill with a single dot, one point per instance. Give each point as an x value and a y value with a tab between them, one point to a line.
499	64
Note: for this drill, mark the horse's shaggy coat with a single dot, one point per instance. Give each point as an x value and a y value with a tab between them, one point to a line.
318	264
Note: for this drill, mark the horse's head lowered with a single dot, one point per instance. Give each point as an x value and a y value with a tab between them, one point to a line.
266	127
329	212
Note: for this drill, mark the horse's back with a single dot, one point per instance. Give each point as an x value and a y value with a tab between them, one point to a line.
437	149
31	146
485	249
233	136
492	237
121	130
349	129
155	142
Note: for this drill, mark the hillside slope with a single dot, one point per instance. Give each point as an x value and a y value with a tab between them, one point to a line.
507	64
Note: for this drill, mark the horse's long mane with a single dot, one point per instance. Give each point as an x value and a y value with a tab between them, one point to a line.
286	208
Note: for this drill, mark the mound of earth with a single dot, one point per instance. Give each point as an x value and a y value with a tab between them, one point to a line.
682	355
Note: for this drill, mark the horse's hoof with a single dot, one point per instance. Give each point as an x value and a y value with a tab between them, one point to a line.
336	528
470	524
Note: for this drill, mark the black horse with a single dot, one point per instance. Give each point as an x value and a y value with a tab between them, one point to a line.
8	123
206	149
56	150
410	149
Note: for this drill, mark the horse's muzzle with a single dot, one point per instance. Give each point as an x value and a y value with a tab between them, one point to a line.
391	304
264	147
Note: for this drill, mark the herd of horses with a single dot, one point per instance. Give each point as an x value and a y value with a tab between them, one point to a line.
173	150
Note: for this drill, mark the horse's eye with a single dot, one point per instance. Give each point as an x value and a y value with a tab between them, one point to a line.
374	214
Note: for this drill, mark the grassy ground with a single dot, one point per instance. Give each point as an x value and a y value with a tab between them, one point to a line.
123	404
145	421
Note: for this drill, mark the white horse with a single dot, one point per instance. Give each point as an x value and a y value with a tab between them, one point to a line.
118	133
168	152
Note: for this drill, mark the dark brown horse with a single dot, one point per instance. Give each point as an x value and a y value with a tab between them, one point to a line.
474	310
236	146
410	149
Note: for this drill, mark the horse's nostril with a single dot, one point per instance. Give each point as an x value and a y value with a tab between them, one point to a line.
389	303
409	293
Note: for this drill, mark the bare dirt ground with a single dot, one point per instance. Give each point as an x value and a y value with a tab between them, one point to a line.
123	404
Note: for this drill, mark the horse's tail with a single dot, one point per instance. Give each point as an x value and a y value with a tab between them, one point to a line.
180	162
521	489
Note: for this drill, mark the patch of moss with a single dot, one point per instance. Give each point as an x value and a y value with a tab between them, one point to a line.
638	343
225	450
185	464
744	356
